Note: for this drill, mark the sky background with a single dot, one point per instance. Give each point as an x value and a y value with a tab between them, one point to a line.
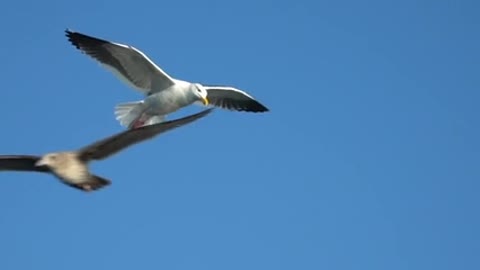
368	159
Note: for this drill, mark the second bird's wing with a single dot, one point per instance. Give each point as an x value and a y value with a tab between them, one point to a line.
120	141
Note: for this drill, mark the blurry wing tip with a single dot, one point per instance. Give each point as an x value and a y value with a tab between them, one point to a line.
69	33
206	111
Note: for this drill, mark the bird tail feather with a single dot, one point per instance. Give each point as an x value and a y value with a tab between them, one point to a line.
93	183
128	113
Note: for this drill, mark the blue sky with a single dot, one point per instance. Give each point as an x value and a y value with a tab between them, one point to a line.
367	160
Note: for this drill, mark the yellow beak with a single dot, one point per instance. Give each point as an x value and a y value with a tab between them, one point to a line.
205	101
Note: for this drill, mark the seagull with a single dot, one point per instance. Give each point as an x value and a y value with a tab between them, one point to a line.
164	94
71	167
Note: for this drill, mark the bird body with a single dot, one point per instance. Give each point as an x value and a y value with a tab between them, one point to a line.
72	171
163	94
66	166
154	107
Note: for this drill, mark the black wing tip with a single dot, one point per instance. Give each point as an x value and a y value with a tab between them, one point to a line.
70	34
80	40
73	37
255	107
204	112
193	117
260	108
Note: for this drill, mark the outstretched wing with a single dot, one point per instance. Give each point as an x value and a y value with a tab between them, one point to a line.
120	141
233	99
126	62
21	163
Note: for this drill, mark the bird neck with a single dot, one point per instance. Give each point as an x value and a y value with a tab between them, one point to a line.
183	98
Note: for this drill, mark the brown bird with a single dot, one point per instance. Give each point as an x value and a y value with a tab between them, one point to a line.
71	167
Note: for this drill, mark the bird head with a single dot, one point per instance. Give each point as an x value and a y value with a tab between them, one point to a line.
201	93
47	160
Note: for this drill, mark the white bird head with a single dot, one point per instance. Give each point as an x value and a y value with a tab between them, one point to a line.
200	92
48	160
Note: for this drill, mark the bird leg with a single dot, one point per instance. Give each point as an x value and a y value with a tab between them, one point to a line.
87	187
140	121
137	124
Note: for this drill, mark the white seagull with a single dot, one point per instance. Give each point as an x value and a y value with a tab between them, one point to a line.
164	94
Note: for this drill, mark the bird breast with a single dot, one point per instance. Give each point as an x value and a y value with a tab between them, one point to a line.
70	169
168	101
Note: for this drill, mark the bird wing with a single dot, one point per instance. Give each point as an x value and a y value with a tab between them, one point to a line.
113	144
126	62
233	99
20	163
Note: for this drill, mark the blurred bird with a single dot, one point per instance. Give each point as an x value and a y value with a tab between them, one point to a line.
164	94
71	167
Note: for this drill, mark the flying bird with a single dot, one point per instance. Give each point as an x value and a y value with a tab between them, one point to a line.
164	94
71	167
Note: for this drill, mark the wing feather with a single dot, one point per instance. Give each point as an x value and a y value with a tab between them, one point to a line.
20	163
128	63
120	141
233	99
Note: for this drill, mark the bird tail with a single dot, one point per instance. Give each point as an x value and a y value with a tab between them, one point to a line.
130	112
93	183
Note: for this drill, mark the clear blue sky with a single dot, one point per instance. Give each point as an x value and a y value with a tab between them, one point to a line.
369	158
